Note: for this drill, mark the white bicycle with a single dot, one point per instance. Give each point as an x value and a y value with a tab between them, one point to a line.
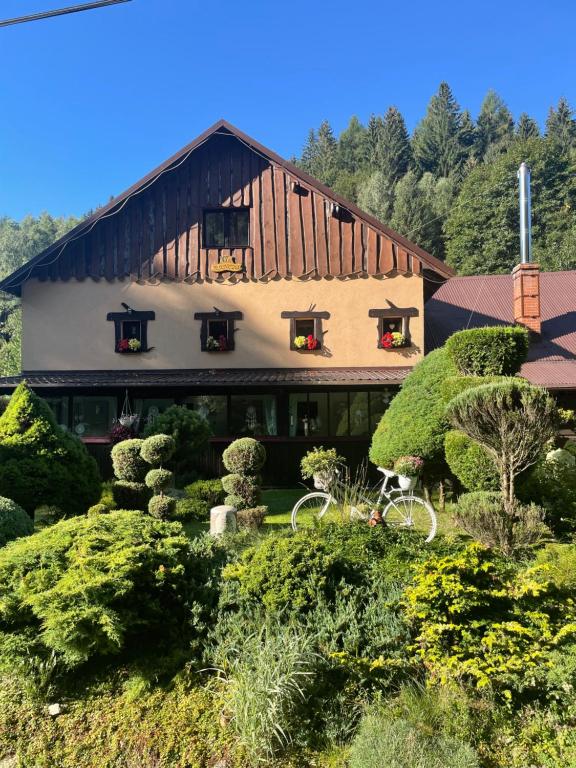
400	508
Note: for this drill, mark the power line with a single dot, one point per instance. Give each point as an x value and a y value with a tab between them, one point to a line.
61	12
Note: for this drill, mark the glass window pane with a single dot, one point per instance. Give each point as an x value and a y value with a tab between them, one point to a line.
150	408
132	329
93	416
59	406
359	413
214	408
318	413
253	415
305	327
339	414
379	402
214	228
308	414
217	328
239	225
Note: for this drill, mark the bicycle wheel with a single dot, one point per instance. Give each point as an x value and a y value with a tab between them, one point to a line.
310	509
411	512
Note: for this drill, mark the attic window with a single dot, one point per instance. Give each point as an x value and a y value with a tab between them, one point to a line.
131	330
391	322
227	228
306	332
217	330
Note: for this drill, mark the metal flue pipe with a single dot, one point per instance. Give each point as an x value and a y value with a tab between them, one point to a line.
525	214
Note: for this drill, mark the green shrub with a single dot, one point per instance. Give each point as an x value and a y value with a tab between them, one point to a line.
471	463
492	351
478	619
210	491
552	484
414	737
128	495
14	522
252	519
159	480
158	449
320	460
162	507
47	515
482	515
191	433
40	463
243	490
191	509
89	585
245	456
127	461
98	509
415	422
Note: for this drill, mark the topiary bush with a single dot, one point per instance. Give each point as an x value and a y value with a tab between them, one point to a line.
158	449
89	586
415	422
159	480
243	459
14	521
492	351
252	519
129	495
162	507
127	462
471	464
40	463
190	432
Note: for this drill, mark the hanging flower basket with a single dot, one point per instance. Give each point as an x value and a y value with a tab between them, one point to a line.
129	420
407	483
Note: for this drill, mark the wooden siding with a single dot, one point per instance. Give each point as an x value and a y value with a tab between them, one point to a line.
294	229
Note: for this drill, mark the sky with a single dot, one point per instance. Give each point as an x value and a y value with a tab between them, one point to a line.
93	101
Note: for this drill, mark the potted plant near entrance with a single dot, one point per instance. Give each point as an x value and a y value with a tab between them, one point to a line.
321	465
408	469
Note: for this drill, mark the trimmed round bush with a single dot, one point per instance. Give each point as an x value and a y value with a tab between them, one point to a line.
162	507
158	449
159	480
137	572
493	351
244	456
14	521
471	463
190	431
233	500
243	487
129	495
127	462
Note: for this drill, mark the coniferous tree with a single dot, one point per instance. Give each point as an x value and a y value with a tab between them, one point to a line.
374	132
376	196
352	155
495	125
527	128
395	153
560	125
310	153
437	141
319	154
412	212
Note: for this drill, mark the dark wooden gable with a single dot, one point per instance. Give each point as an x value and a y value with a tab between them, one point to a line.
154	231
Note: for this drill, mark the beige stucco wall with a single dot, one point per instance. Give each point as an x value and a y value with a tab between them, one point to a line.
65	326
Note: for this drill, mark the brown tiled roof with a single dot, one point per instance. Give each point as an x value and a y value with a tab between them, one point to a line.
474	302
210	377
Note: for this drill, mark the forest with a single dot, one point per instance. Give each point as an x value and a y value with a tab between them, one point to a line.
451	187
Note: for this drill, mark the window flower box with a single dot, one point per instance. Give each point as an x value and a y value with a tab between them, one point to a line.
129	346
306	343
217	345
393	340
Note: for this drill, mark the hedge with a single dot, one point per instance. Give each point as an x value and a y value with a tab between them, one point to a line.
493	351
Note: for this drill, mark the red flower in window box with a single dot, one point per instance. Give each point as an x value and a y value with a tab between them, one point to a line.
386	341
129	345
311	342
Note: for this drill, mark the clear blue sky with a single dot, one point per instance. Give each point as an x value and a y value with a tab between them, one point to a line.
92	102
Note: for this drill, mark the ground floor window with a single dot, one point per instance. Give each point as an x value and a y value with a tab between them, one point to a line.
59	406
214	408
253	415
336	414
93	416
150	408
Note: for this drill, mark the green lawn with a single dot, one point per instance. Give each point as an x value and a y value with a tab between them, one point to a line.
280	502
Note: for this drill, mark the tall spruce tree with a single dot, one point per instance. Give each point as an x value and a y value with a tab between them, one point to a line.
319	154
374	131
495	125
394	153
560	125
352	147
527	128
437	142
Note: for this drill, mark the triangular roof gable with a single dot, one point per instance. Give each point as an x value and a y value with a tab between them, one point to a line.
48	257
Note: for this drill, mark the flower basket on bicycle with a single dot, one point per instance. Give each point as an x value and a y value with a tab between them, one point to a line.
323	480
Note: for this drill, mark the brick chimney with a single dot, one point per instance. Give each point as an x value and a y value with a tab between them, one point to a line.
526	282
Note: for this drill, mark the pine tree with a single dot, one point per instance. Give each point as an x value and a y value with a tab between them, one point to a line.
527	128
394	153
325	167
560	125
352	147
437	142
495	125
310	153
374	132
